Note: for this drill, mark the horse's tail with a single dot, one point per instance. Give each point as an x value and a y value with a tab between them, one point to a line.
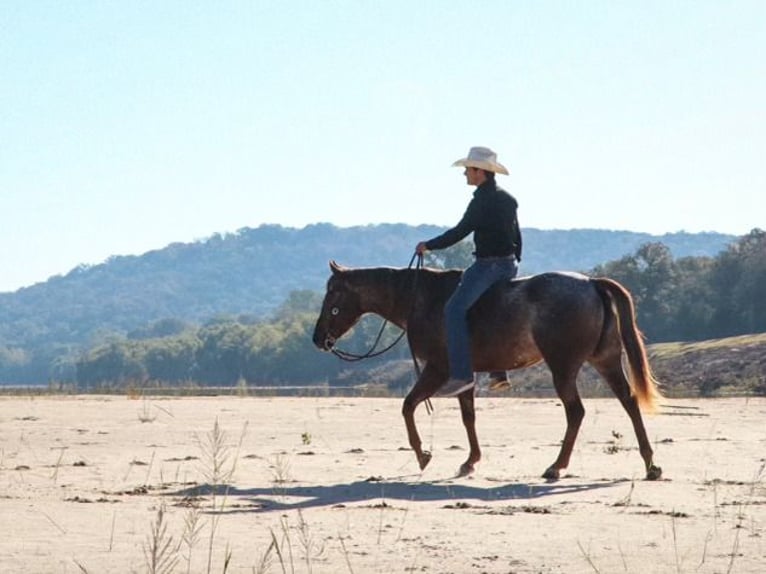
642	382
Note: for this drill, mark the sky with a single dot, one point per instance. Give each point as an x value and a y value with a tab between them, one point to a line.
127	126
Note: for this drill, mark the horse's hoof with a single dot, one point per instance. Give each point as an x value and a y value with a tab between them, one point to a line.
654	473
465	469
424	459
551	473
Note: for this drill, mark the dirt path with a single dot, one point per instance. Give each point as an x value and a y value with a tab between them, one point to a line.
328	485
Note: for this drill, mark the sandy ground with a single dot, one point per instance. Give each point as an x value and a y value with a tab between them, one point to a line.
328	485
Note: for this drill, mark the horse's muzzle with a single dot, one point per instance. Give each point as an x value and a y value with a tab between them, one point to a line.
329	342
325	343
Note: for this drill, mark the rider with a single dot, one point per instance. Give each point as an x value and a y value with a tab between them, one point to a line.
491	216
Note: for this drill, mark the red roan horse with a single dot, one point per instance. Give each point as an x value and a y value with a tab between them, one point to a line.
564	319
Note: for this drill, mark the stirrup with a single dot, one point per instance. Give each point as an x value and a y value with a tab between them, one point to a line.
499	382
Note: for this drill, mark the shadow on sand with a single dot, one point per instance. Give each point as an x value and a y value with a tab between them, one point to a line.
280	497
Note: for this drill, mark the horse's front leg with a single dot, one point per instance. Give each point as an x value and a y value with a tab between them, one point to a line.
468	413
427	383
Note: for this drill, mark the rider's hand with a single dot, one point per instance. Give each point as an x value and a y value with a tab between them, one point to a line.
421	248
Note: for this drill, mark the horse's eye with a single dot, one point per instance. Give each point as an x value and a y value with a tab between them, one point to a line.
334	311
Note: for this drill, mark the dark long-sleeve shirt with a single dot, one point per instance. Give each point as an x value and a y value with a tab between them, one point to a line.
491	216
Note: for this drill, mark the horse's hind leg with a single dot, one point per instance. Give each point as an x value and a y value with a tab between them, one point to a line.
615	376
565	382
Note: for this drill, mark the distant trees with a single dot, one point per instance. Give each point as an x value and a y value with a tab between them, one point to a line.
696	298
458	256
738	279
172	359
226	350
692	298
13	360
99	325
116	362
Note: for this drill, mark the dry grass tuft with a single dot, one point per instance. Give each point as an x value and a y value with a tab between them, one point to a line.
159	551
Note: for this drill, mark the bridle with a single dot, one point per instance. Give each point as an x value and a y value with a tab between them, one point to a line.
352	357
372	352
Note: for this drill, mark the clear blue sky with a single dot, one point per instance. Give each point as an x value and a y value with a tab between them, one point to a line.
126	126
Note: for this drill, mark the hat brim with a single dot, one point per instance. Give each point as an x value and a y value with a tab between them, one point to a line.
486	165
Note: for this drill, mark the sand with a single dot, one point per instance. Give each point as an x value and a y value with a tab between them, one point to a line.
329	485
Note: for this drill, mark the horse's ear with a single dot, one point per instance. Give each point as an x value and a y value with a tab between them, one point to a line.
334	267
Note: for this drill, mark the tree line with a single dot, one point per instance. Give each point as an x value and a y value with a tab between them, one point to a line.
228	350
696	298
677	299
44	328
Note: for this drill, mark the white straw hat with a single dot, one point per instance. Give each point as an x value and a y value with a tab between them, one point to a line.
483	158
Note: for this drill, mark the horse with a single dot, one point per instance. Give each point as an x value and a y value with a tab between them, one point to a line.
562	318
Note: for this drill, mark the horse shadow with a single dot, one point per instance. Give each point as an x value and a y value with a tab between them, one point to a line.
376	491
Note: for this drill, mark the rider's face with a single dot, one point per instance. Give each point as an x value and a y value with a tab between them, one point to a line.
474	176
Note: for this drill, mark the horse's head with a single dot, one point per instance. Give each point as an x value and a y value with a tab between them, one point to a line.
340	309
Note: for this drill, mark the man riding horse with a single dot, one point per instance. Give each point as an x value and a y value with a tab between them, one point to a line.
491	216
458	321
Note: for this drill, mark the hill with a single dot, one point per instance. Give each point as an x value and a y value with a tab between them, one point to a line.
251	272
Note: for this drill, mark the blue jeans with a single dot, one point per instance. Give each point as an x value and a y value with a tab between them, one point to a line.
475	281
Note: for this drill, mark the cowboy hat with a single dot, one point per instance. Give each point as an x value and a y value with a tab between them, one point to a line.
483	158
